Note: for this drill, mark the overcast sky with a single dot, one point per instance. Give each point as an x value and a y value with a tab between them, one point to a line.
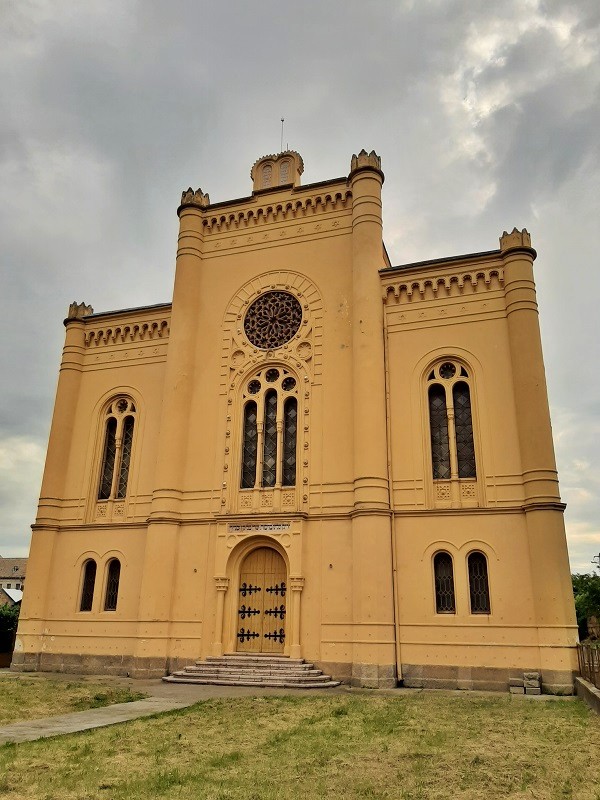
486	116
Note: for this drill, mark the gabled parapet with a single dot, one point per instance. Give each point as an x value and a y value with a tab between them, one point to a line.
282	169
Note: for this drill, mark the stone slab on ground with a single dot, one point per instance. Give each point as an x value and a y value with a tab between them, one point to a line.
86	720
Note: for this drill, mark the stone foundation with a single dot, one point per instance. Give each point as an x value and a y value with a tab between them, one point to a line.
494	679
366	676
126	666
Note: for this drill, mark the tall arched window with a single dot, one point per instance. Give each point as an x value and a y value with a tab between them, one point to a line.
112	585
450	422
250	442
479	589
444	583
270	426
116	453
87	587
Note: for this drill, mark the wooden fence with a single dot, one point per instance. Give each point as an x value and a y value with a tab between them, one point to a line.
589	663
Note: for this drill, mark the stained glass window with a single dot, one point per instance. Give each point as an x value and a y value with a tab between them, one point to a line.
465	448
108	461
250	446
269	457
290	428
444	584
112	585
269	475
438	421
87	590
478	584
116	455
125	456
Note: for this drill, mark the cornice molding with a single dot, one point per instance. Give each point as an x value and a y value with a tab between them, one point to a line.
442	286
284	211
129	332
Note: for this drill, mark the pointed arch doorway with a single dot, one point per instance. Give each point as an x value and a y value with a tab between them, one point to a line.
262	603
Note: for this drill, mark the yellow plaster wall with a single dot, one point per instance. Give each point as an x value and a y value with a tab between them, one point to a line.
359	553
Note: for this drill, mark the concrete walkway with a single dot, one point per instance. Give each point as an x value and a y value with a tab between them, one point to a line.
86	720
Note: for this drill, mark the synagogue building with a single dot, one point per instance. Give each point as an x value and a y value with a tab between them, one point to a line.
310	453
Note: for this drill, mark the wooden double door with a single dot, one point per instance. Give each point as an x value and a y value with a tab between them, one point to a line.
262	601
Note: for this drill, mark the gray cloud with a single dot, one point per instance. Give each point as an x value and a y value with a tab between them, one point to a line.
486	116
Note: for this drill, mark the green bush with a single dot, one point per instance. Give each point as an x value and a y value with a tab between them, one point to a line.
586	589
9	619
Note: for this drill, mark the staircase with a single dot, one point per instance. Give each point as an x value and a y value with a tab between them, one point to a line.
254	670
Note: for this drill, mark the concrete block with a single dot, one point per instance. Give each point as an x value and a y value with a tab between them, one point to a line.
531	676
516	689
533	690
515	681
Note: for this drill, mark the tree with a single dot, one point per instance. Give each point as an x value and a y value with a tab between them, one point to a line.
9	619
586	589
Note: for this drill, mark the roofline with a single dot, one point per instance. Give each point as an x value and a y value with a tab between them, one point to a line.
434	262
126	310
272	189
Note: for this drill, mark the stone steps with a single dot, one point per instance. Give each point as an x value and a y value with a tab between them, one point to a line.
254	670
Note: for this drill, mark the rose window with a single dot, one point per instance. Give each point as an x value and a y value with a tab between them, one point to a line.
272	320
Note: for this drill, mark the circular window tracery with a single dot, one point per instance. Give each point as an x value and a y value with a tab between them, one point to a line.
272	320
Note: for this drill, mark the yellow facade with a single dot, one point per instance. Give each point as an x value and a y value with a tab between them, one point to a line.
404	485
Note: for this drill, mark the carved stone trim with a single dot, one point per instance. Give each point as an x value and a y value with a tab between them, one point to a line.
221	583
443	286
296	584
286	211
79	310
130	332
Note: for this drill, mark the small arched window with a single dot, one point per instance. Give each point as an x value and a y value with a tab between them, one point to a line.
267	176
444	583
270	427
450	422
87	587
479	590
112	585
116	453
284	172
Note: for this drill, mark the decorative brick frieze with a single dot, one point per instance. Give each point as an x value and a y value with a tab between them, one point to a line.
128	332
435	287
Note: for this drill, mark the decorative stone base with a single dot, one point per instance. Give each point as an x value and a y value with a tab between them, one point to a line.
495	679
367	676
374	676
128	666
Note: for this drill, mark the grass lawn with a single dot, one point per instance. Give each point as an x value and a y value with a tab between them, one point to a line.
24	697
360	745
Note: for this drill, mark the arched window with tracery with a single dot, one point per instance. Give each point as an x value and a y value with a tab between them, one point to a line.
479	590
270	427
451	428
444	583
87	587
112	585
119	425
